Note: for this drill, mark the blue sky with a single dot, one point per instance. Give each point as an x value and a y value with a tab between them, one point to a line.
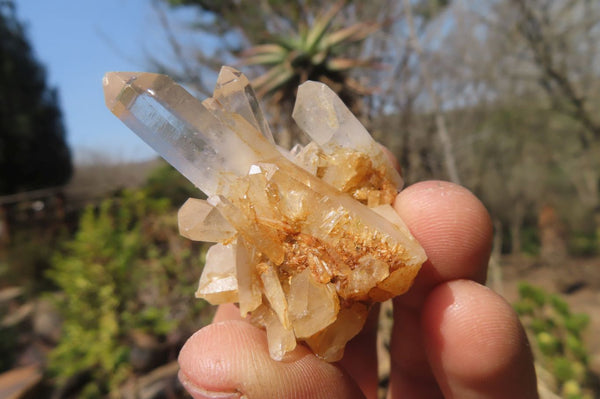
78	41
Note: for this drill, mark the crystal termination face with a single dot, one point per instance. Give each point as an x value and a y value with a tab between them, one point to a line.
305	240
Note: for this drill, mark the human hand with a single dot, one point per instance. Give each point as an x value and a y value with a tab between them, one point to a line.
452	336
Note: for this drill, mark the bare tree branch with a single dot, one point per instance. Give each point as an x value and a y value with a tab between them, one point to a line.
533	29
440	120
192	75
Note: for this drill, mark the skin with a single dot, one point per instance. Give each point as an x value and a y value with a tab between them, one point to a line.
452	336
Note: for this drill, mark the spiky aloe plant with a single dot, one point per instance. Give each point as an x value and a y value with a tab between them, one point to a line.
319	52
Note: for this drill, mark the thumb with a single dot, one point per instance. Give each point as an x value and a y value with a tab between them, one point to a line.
230	359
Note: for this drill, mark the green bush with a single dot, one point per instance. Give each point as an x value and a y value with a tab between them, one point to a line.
557	333
125	270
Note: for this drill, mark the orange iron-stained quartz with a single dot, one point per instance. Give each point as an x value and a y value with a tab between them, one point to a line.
307	239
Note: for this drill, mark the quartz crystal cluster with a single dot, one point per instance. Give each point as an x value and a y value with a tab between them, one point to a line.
305	240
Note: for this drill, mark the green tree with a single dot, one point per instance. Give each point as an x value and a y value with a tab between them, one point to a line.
33	150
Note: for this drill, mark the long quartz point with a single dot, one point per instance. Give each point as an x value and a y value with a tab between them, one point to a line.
183	131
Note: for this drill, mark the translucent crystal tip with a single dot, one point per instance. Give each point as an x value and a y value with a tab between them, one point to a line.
113	83
228	74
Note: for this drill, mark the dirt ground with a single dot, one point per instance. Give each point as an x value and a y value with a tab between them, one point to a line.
579	282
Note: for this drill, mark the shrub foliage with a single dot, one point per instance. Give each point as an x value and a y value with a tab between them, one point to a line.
125	271
558	337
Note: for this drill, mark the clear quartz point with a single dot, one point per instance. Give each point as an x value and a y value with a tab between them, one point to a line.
234	92
306	240
218	283
200	221
183	131
322	115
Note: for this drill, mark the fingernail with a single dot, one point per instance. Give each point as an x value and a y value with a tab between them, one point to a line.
201	393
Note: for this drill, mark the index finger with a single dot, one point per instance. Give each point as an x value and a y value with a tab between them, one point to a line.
455	230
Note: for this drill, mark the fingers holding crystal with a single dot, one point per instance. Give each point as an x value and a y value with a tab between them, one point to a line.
307	241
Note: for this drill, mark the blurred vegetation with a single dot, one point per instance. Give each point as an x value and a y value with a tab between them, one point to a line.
557	335
166	182
28	257
125	271
120	277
